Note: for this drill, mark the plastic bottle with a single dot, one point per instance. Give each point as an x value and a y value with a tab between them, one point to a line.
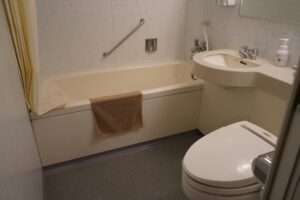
282	54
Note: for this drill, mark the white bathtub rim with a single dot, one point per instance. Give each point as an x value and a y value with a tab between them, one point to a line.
51	101
84	105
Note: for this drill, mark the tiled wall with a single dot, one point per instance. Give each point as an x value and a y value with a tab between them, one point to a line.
73	34
229	30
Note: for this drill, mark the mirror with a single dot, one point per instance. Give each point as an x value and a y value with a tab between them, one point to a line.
286	11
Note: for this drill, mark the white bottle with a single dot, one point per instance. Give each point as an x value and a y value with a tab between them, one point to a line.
282	54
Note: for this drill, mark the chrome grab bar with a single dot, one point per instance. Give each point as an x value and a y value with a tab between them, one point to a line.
108	53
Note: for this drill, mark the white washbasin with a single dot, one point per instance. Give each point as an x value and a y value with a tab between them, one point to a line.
230	61
226	68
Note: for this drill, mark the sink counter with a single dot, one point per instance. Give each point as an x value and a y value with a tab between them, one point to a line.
225	67
284	74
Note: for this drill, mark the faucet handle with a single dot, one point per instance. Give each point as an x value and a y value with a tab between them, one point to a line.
243	51
254	53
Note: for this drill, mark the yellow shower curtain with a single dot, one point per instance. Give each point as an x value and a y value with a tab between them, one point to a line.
17	20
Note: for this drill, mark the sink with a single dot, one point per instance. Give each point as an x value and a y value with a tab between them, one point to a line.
225	67
230	61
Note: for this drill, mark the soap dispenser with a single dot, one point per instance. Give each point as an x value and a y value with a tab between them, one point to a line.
282	54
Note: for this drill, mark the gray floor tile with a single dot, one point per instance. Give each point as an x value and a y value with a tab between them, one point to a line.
150	171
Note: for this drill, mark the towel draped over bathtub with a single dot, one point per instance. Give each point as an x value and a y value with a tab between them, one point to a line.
119	113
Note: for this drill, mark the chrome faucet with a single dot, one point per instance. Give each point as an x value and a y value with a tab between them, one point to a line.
198	47
248	53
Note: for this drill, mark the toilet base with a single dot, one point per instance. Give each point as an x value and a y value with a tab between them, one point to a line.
194	194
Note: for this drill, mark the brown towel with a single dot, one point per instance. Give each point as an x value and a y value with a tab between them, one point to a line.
118	114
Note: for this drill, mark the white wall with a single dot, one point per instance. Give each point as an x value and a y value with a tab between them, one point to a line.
229	30
73	34
20	171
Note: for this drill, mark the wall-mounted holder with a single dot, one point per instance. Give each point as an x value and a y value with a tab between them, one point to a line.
226	3
151	45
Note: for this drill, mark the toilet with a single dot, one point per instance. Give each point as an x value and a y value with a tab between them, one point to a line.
219	165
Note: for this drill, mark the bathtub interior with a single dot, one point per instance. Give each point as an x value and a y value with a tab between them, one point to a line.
122	81
76	88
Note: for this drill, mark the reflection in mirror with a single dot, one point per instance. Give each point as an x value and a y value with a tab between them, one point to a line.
287	11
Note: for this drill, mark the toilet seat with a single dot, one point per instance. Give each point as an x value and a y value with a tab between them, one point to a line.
220	163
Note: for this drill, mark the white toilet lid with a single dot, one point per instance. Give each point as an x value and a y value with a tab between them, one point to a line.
224	157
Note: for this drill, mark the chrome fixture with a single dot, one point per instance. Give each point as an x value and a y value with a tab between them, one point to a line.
198	47
135	29
261	167
248	53
151	45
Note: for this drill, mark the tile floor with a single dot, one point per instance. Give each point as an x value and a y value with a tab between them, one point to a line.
150	171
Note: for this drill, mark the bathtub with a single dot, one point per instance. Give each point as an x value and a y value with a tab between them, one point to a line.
171	101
